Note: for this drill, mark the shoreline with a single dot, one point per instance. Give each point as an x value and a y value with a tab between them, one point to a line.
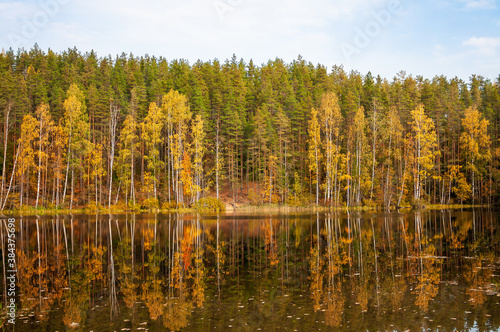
240	208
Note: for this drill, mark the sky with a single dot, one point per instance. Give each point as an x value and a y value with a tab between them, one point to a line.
421	37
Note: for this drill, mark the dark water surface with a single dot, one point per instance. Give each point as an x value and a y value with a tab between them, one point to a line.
436	270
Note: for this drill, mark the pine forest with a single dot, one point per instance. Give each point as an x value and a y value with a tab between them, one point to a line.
79	131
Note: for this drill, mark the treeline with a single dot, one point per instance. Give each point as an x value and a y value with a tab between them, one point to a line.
82	130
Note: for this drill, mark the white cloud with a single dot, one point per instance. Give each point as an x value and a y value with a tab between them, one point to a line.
258	30
484	46
479	4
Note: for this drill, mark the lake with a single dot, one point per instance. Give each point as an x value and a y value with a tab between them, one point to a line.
436	270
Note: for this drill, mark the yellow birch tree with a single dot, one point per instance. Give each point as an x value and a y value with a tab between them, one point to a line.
475	141
425	146
314	152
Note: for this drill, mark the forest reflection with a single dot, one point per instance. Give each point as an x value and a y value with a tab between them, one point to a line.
347	271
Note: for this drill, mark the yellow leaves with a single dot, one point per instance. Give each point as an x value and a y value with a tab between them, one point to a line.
60	142
153	296
31	70
428	278
475	140
28	136
197	275
175	107
334	305
148	183
176	314
462	189
72	315
128	137
424	146
295	199
94	264
128	289
362	295
315	266
425	138
45	126
148	237
330	111
176	272
331	119
271	173
95	160
74	106
151	134
76	124
198	147
314	141
394	125
152	127
75	118
187	176
359	124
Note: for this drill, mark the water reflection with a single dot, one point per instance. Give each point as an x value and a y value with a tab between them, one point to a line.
355	271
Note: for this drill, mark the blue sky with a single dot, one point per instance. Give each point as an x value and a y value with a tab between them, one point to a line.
428	38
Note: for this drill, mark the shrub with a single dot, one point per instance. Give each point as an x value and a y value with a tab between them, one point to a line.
93	207
294	200
254	197
150	203
171	205
133	207
212	204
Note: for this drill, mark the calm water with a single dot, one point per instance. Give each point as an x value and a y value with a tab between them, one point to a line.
435	270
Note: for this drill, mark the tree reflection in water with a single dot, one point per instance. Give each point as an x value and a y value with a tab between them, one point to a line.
347	271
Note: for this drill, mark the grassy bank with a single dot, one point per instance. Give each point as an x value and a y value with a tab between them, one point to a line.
229	208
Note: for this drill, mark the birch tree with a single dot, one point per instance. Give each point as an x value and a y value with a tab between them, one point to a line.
198	146
126	156
314	153
27	153
45	125
475	142
359	131
77	129
331	119
425	144
114	112
176	114
151	134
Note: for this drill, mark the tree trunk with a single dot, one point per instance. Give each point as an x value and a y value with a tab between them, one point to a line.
5	141
67	169
40	140
12	176
374	132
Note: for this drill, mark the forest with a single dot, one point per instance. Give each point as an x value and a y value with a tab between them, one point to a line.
80	130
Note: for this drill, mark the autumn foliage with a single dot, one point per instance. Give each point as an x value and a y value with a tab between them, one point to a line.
80	130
